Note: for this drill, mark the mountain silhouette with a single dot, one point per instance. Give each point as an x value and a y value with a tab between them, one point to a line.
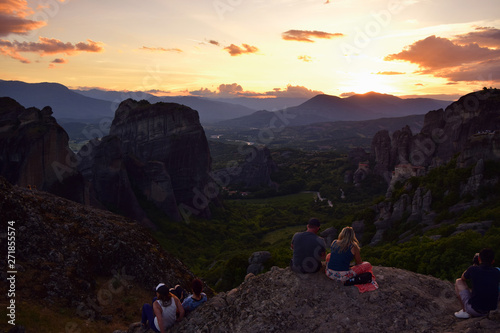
328	108
210	111
64	102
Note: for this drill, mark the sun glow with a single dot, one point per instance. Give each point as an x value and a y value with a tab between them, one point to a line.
363	83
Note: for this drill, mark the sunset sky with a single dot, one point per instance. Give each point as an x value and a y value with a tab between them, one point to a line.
254	48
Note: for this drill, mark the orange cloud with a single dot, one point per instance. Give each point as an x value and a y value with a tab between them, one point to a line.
457	59
160	49
436	53
46	46
389	73
235	50
306	35
15	7
13	18
236	90
305	58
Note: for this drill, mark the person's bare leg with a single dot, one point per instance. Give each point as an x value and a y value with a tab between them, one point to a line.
460	285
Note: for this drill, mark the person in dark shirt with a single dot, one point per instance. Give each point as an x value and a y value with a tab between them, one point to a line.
308	249
484	294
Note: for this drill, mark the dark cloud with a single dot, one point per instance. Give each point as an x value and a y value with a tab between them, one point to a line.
236	90
57	61
305	58
214	42
484	36
483	71
307	36
389	73
160	49
157	91
235	50
46	46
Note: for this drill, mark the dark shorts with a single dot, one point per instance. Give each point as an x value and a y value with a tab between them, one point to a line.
465	296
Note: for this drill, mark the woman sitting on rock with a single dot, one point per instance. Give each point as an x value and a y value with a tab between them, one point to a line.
196	299
166	310
343	250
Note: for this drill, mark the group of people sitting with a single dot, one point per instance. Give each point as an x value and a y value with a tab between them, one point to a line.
309	250
171	305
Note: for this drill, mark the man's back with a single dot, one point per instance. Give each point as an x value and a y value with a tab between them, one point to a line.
485	280
308	249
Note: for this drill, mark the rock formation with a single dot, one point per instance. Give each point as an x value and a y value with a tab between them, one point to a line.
34	151
256	262
154	152
469	127
80	258
469	130
283	301
254	172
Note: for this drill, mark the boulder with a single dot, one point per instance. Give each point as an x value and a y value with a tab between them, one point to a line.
283	301
256	262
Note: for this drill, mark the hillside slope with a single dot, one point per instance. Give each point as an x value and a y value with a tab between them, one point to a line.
80	259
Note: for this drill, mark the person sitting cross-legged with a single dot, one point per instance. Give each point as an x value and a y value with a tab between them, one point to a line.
338	263
484	295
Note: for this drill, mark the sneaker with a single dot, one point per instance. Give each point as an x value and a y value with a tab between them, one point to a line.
462	314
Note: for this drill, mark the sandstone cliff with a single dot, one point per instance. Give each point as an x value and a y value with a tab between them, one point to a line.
34	151
155	152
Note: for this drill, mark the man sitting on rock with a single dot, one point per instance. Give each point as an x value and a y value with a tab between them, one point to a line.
308	249
484	295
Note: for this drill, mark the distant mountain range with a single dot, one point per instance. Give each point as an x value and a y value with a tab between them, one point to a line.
95	104
64	102
327	108
210	111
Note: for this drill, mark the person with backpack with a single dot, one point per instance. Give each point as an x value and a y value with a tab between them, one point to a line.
343	250
484	295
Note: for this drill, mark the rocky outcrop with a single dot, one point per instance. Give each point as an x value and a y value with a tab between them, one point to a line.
469	127
253	173
34	151
256	262
103	165
154	152
283	301
381	149
81	258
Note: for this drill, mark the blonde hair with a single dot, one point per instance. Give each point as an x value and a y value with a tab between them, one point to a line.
347	237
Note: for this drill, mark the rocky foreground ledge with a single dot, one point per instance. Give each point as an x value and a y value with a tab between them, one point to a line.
283	301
